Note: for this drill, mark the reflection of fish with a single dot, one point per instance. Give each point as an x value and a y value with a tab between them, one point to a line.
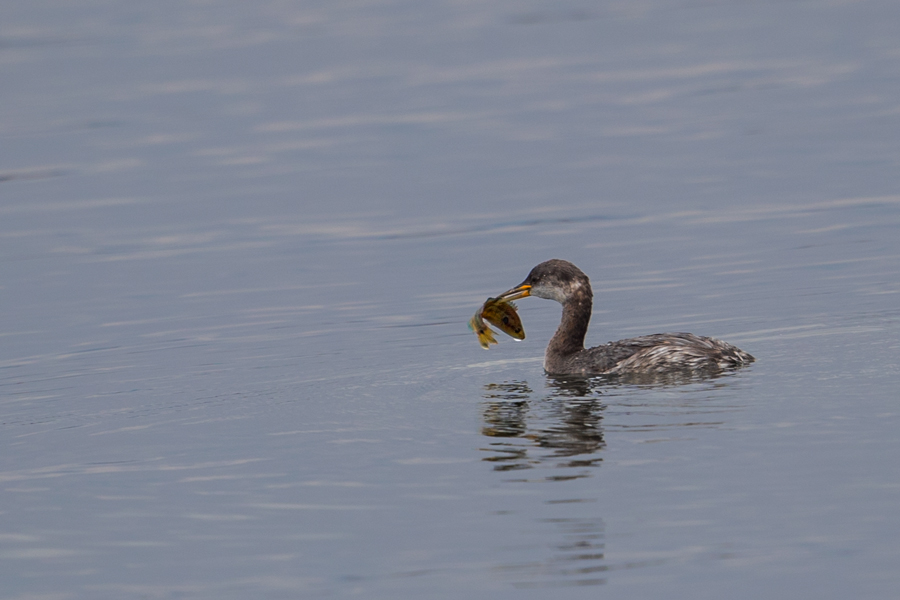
501	314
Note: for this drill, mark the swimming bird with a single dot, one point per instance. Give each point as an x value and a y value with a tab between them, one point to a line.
658	353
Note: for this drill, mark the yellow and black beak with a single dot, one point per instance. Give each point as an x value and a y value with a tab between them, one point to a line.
520	291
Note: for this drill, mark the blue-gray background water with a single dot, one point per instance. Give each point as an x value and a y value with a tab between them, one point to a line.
239	243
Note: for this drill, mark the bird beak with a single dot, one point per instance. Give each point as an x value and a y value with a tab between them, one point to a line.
520	291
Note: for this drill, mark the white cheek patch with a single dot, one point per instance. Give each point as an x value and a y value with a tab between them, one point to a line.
549	293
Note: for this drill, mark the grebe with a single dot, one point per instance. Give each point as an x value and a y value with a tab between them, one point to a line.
659	353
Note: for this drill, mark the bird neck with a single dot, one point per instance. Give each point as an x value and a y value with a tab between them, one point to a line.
569	337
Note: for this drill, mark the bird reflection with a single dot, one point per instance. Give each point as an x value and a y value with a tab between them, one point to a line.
566	422
538	437
565	419
577	556
558	429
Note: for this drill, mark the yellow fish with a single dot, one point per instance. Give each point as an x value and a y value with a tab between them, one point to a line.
502	315
484	333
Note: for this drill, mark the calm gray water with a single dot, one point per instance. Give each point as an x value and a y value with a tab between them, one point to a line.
239	243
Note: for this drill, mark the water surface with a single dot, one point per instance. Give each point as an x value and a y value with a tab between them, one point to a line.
239	244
